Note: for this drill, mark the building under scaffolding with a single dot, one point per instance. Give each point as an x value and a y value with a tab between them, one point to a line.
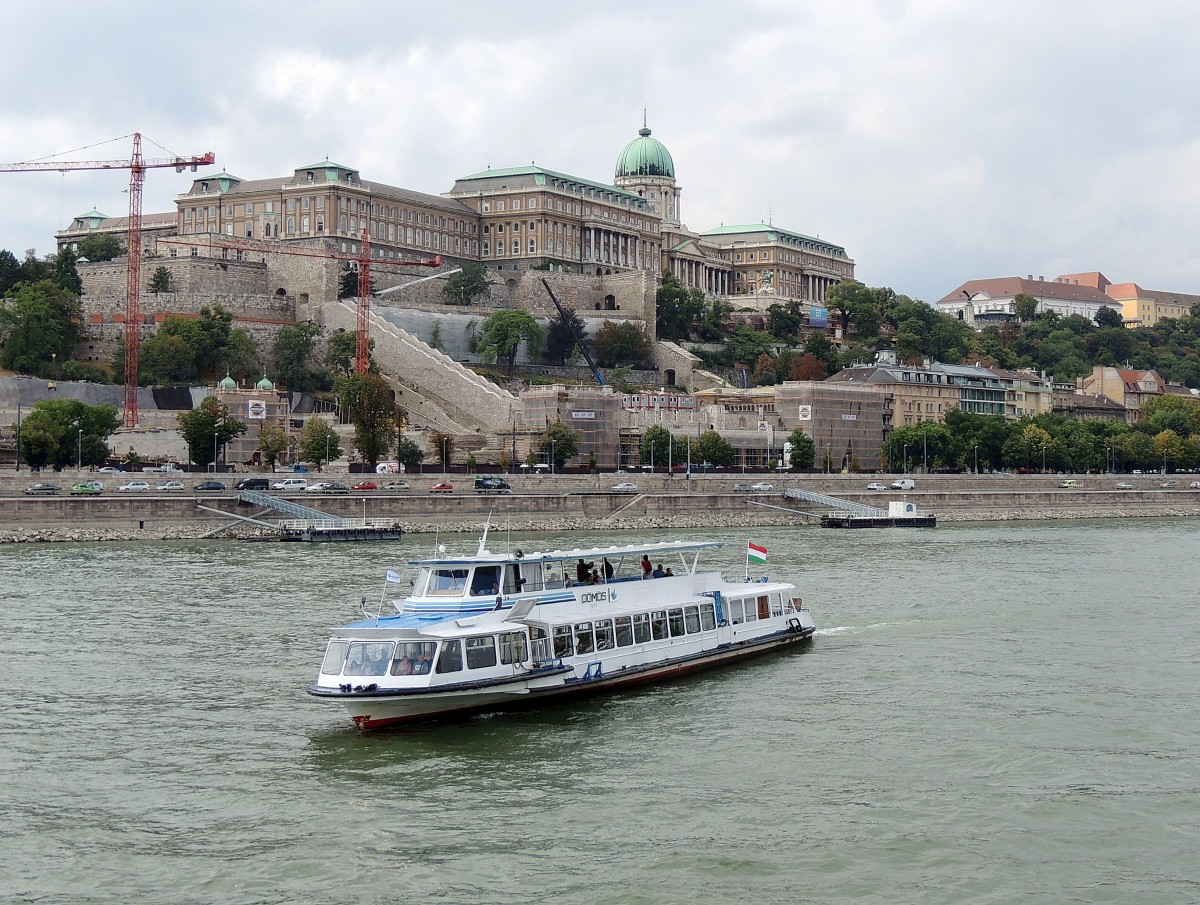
594	414
847	424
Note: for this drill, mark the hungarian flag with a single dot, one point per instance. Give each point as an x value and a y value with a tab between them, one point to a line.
755	553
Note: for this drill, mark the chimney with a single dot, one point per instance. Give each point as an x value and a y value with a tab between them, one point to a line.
1029	277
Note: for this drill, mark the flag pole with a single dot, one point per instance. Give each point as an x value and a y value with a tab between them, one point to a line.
747	561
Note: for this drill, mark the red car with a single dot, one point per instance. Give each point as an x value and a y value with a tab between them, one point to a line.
365	485
442	487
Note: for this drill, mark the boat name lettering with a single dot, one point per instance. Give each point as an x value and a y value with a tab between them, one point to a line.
593	597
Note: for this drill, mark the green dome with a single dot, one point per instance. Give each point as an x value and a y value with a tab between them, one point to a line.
227	383
264	384
645	156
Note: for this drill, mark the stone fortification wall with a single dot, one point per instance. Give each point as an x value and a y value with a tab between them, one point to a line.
188	275
101	341
468	398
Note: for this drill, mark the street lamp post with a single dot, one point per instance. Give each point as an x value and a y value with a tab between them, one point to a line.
79	452
906	458
18	435
1043	458
551	457
976	458
215	435
326	449
925	447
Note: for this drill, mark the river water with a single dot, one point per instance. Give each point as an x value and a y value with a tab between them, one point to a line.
988	713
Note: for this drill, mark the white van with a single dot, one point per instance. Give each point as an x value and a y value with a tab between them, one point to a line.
904	484
290	484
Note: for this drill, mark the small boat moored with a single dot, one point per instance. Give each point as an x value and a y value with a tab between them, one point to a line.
497	630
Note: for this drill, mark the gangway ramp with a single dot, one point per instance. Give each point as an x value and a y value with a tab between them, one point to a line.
287	507
833	502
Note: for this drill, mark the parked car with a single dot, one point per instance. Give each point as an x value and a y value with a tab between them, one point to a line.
762	487
252	484
742	487
109	469
42	488
625	487
134	485
396	485
171	485
87	488
1195	485
1121	485
1169	484
492	485
875	485
210	485
442	487
1067	484
365	485
316	486
290	484
334	487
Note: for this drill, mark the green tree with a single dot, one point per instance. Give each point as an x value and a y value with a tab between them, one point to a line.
503	332
61	432
207	428
37	322
10	271
620	344
65	273
747	344
803	452
784	321
341	353
852	301
678	309
319	442
272	443
165	358
160	281
295	354
559	441
1025	307
1108	317
659	448
714	449
443	447
409	453
348	283
471	282
104	247
565	333
368	399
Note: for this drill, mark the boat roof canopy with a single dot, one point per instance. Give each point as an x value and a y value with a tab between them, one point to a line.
487	557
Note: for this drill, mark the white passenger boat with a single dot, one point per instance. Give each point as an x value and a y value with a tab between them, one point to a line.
498	630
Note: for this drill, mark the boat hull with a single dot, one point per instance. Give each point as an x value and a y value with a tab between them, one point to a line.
377	711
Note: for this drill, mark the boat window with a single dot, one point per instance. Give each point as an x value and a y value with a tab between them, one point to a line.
691	618
481	652
335	656
708	617
412	658
735	612
516	579
624	631
486	581
776	604
605	639
368	658
447	582
541	644
420	583
641	628
748	606
564	642
450	658
675	617
658	624
764	606
514	647
583	638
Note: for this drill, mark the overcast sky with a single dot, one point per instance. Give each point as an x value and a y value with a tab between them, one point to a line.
936	141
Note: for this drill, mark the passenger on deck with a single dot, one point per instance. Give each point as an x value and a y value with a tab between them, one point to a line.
670	574
658	573
608	570
594	578
646	567
583	571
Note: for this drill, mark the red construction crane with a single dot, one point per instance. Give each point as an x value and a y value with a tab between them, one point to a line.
362	258
137	166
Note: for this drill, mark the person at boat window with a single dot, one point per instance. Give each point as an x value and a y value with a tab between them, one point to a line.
403	667
670	574
646	567
422	666
658	573
594	578
608	570
583	571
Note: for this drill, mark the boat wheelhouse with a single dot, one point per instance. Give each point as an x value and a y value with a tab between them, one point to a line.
497	630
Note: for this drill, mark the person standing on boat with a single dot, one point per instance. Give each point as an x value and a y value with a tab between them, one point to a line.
583	571
608	570
647	568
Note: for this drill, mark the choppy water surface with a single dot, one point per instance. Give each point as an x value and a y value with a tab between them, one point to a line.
987	714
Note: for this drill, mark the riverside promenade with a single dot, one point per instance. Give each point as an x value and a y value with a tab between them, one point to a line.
575	502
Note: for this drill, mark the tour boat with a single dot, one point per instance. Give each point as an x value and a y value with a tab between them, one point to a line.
499	630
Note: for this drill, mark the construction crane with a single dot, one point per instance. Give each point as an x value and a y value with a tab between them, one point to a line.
137	166
579	340
362	258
